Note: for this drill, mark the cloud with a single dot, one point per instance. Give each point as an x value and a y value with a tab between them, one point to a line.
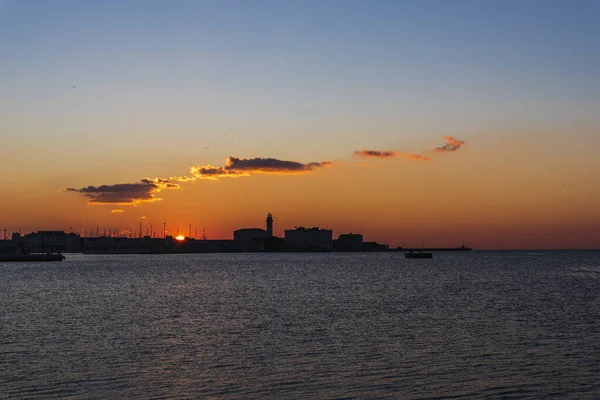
126	193
144	217
182	178
375	153
116	211
146	189
270	165
414	156
236	167
161	183
212	173
390	154
452	144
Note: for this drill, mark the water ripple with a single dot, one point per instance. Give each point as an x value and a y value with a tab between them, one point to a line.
271	326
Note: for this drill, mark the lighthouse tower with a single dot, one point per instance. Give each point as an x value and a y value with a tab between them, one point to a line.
270	225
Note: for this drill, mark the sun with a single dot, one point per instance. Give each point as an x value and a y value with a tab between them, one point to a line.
180	238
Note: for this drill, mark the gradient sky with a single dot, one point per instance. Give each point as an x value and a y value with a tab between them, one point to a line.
109	92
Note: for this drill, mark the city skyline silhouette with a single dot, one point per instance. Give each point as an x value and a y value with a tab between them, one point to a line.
419	122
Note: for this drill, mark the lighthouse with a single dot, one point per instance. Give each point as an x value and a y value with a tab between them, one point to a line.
269	225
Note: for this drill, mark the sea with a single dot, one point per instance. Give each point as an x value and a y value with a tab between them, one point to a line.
463	325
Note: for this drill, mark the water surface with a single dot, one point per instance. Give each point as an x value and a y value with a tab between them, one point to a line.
273	326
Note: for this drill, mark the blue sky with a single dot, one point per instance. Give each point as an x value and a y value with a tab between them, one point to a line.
267	73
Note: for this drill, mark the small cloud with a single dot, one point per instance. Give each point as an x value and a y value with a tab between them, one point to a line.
161	183
452	144
414	156
212	173
390	154
126	193
117	211
271	165
183	178
144	217
375	153
237	167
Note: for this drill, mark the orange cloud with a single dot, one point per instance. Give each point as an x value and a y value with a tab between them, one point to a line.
271	165
161	183
375	153
126	193
212	173
390	154
452	144
236	167
414	156
145	191
183	178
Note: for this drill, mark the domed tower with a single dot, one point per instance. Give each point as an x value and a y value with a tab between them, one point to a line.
270	225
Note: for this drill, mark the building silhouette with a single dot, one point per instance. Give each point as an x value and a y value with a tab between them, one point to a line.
248	234
252	234
269	225
349	242
244	240
309	239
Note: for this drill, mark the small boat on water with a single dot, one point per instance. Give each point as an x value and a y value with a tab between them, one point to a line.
31	257
418	254
13	253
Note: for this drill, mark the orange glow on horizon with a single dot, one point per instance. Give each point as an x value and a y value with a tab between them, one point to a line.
180	238
474	196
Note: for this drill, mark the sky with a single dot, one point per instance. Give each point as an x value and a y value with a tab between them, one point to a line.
430	123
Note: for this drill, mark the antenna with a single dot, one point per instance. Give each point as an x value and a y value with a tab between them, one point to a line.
203	233
190	231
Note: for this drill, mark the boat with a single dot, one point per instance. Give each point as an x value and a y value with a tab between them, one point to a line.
460	248
418	254
31	257
12	253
